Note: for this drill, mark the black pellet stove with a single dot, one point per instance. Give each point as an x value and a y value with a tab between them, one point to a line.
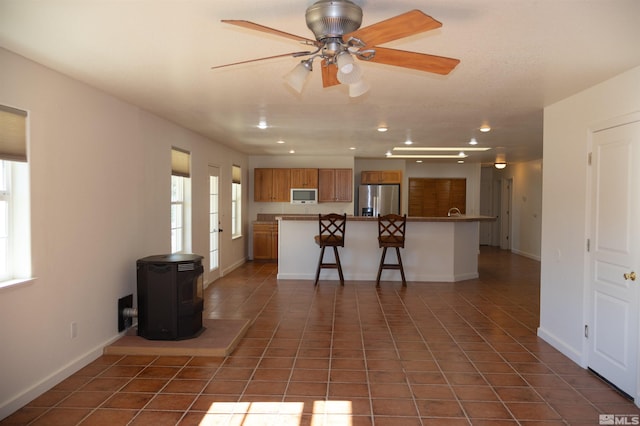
170	300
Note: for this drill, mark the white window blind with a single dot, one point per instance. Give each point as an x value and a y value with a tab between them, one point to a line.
180	163
13	134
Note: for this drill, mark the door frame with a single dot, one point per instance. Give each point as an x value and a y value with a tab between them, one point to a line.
588	308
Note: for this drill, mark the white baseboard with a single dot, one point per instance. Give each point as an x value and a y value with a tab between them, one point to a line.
525	254
233	267
573	354
10	406
226	271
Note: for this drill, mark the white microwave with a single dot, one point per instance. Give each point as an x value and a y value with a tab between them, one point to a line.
304	196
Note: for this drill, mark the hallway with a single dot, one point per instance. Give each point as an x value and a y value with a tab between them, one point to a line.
428	354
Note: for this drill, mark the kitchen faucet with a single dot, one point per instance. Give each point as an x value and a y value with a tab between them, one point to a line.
454	211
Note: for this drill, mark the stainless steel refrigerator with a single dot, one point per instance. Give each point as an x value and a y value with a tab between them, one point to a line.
374	200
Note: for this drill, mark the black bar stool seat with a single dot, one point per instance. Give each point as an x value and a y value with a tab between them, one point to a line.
391	230
331	234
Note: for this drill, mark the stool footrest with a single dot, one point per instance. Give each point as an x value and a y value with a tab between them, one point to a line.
391	266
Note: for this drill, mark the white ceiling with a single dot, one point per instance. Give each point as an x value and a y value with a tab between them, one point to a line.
517	56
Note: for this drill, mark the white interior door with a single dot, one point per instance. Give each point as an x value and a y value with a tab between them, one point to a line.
214	223
615	220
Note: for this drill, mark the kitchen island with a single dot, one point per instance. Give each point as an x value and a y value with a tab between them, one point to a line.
437	249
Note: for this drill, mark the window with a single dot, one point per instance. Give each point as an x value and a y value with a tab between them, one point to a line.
15	241
236	202
180	201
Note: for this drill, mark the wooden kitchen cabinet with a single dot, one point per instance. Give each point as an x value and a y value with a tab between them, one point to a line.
434	197
265	241
304	178
380	176
271	185
335	185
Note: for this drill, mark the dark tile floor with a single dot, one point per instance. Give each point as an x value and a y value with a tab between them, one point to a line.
428	354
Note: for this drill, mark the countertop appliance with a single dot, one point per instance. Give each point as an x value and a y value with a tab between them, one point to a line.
374	200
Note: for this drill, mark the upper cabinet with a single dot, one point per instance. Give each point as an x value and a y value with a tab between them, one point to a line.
335	185
304	178
274	185
431	197
381	176
271	185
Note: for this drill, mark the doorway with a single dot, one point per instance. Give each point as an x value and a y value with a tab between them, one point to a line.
614	255
506	194
214	223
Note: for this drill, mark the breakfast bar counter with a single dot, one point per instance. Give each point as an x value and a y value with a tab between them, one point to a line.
437	249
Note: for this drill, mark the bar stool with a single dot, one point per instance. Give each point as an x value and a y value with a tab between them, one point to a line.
391	229
331	234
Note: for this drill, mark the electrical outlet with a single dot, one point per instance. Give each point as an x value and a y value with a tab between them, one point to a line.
74	330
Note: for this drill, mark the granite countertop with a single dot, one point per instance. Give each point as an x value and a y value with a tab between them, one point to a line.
273	217
461	218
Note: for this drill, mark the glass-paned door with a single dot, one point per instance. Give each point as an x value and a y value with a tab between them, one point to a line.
214	223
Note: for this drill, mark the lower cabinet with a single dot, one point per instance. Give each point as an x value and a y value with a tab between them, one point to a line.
265	241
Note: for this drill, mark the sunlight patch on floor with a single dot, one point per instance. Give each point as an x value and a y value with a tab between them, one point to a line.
336	413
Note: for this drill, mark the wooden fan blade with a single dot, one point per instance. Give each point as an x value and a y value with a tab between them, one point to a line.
400	26
417	61
329	74
253	26
293	54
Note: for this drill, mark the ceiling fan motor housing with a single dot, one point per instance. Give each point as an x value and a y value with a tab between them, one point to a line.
333	18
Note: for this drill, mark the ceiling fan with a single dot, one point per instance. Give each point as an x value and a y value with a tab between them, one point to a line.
339	38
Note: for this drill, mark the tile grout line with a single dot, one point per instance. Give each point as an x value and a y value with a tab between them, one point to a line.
211	379
519	374
364	356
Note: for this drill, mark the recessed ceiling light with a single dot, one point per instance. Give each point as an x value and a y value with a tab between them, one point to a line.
352	148
460	161
408	142
418	161
280	141
485	128
440	148
382	129
388	154
292	151
440	156
461	154
262	124
473	141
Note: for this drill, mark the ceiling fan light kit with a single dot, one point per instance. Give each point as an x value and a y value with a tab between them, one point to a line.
358	89
354	76
298	75
345	62
339	38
